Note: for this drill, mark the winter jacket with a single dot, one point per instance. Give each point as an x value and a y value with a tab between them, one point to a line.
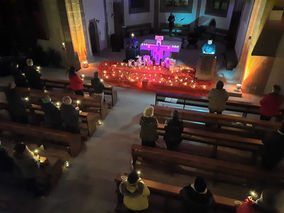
97	85
217	100
149	127
33	78
76	83
70	118
135	196
174	129
196	202
20	80
52	115
270	104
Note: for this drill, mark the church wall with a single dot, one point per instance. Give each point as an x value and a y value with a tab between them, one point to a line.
55	30
221	22
138	18
188	18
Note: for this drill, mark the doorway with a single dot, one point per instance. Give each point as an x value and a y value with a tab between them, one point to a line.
94	37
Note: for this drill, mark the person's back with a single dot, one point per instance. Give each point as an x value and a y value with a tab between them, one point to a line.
197	198
70	118
273	149
16	106
7	164
174	129
20	79
97	85
217	98
33	77
135	193
52	114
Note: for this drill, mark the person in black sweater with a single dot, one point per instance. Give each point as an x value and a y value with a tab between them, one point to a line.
33	76
16	106
174	129
196	197
52	114
69	116
97	84
273	148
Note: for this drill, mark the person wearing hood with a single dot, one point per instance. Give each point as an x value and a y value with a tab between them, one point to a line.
69	116
51	114
273	148
135	193
265	204
174	129
149	125
196	197
97	85
217	98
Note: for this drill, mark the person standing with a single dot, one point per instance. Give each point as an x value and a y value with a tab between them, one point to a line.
32	75
149	125
217	98
171	21
76	83
174	129
270	104
135	193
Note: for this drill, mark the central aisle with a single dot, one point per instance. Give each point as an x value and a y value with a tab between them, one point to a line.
89	186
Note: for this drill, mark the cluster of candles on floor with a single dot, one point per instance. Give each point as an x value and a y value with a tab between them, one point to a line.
179	76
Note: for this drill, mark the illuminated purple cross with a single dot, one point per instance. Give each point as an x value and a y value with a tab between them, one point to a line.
158	51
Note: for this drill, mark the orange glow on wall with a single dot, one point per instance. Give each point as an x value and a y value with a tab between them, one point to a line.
76	28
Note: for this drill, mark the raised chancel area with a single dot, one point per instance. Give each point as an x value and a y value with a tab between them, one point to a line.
142	106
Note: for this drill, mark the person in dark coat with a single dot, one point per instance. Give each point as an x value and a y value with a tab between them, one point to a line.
196	197
19	77
52	114
33	76
16	106
149	125
69	116
174	129
7	164
273	149
97	84
171	21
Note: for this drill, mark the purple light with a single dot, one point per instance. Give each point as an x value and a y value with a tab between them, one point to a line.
158	51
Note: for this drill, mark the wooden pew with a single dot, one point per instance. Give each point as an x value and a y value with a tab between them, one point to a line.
73	141
64	84
170	193
87	104
219	170
251	126
186	100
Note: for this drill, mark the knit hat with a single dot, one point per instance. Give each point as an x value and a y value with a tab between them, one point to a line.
200	185
149	111
133	177
46	99
67	100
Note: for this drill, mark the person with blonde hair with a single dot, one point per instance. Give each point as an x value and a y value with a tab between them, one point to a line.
69	116
149	125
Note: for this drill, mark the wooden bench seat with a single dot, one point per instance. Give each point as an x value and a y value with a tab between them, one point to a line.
169	193
72	141
64	84
187	100
219	168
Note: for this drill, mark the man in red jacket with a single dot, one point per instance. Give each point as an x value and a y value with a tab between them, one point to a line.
270	104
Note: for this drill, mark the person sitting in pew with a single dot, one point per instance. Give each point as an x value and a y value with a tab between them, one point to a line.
174	129
76	83
16	106
52	115
265	204
32	75
69	116
197	198
97	84
7	164
135	193
217	98
270	104
273	149
19	77
149	125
